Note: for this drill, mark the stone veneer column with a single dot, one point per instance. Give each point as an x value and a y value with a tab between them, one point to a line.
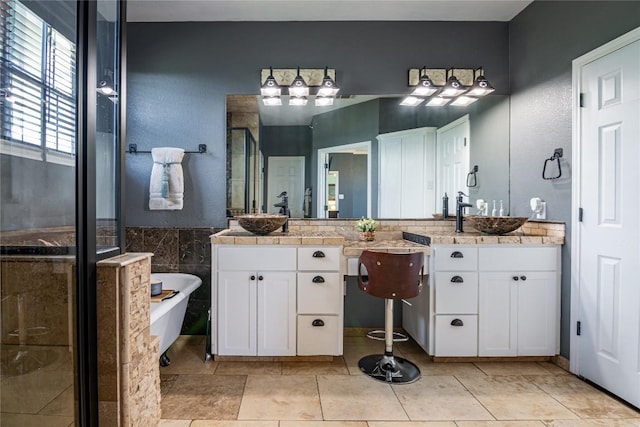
128	371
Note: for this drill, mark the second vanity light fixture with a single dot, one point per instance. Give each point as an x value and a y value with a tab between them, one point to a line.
298	83
441	86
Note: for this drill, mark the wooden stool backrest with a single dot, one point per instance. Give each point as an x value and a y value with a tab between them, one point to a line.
392	276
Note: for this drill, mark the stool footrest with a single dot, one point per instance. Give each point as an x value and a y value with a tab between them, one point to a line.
379	335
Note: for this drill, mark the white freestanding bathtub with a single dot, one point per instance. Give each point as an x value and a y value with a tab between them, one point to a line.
167	316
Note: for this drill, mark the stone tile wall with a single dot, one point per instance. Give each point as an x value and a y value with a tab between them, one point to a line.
180	250
128	371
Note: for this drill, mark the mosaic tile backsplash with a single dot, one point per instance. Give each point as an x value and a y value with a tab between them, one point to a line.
180	250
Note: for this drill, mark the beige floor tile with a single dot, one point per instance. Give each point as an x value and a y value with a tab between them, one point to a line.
411	424
593	423
529	423
187	357
582	398
458	369
554	369
515	398
351	397
26	420
512	368
337	367
280	397
323	424
439	398
358	347
174	423
216	423
166	382
207	397
249	368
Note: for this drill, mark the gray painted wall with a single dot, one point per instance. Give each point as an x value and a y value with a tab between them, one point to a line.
352	183
543	40
180	73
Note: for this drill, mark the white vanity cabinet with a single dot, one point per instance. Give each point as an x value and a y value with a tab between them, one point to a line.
494	300
277	300
519	301
256	301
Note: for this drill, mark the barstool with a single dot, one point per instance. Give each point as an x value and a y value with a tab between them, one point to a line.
392	277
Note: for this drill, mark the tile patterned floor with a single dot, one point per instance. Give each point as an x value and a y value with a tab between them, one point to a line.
336	394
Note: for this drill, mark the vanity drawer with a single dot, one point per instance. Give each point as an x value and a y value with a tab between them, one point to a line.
456	292
256	258
319	292
322	258
454	340
455	258
543	258
318	335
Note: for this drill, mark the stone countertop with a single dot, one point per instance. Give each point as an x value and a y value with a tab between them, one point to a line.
393	235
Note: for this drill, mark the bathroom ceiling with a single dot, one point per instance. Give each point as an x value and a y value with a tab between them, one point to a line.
323	10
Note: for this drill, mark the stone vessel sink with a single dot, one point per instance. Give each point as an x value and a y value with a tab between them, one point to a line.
496	224
261	224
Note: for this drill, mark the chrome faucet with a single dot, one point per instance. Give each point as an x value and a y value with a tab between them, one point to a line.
460	210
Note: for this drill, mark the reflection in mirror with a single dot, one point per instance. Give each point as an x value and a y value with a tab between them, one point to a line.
311	133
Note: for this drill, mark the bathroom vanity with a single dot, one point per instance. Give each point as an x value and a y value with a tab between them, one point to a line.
485	296
277	300
489	300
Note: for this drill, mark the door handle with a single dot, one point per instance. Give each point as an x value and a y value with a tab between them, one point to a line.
523	278
260	277
318	279
253	277
516	278
318	254
317	322
457	279
457	254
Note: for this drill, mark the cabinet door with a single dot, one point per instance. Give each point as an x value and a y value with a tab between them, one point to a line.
276	314
497	314
236	313
538	321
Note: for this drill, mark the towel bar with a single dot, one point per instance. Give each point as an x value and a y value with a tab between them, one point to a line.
133	149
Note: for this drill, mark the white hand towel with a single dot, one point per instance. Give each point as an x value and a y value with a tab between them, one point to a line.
166	188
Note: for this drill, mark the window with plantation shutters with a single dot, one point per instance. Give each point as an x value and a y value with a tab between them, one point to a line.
38	82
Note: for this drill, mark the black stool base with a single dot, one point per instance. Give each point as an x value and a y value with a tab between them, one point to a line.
389	369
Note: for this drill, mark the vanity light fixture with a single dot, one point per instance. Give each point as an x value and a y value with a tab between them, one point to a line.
425	86
298	87
324	101
481	85
463	100
297	82
453	87
442	86
298	100
328	86
270	88
411	101
437	101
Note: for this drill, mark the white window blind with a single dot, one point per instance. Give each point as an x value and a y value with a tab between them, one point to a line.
38	71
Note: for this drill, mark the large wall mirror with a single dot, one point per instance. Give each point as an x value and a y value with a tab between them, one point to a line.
369	156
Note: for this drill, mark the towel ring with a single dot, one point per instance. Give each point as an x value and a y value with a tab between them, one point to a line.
557	154
472	178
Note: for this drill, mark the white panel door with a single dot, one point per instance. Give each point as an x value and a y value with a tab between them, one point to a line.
276	314
452	146
609	250
414	184
286	173
390	185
